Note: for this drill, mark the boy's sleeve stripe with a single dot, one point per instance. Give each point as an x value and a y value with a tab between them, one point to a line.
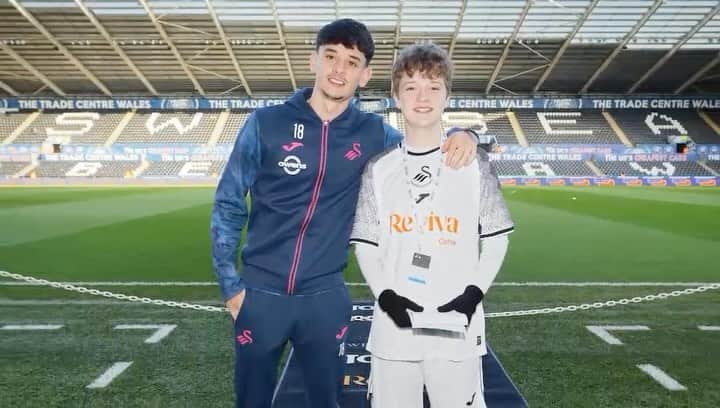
496	233
363	241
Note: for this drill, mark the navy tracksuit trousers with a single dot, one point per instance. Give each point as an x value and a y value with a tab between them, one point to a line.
315	324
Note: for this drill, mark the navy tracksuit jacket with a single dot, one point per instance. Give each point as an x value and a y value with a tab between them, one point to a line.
303	175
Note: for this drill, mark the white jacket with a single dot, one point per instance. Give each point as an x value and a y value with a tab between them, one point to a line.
464	226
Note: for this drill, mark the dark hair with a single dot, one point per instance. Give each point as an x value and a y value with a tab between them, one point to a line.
428	59
350	33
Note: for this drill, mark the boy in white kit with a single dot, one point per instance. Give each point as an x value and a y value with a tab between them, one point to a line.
429	241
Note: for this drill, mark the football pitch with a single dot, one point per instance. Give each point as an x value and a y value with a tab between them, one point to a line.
571	246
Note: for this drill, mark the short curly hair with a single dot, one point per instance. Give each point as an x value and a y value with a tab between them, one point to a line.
428	58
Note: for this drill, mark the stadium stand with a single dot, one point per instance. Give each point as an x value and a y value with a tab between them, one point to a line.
84	169
217	167
79	127
518	168
9	169
169	127
651	168
495	123
174	169
571	168
587	127
509	168
101	131
557	127
715	117
386	118
10	122
713	164
163	169
52	168
400	122
235	121
653	127
117	168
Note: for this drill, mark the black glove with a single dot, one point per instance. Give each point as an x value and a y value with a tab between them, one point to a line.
465	303
397	306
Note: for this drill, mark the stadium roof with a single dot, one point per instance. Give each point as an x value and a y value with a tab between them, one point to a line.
237	48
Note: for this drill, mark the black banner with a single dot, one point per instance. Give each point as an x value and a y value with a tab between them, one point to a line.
500	392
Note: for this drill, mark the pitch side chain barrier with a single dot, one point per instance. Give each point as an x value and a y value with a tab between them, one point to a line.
529	312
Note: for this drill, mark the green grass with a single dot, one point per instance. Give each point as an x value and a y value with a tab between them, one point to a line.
553	359
155	234
617	234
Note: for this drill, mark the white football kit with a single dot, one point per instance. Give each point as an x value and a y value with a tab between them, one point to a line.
427	231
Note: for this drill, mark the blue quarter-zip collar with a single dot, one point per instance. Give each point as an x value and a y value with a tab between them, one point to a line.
300	101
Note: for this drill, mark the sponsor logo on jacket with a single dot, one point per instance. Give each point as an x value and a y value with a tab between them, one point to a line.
292	165
400	223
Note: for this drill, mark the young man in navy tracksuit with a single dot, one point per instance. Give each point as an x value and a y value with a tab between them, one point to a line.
302	163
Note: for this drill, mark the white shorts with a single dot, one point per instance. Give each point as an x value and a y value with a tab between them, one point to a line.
449	384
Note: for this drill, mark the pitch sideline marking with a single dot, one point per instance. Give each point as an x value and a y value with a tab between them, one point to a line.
709	328
109	375
661	377
603	332
31	327
282	376
163	330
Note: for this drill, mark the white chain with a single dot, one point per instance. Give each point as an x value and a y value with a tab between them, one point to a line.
104	293
609	303
183	305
